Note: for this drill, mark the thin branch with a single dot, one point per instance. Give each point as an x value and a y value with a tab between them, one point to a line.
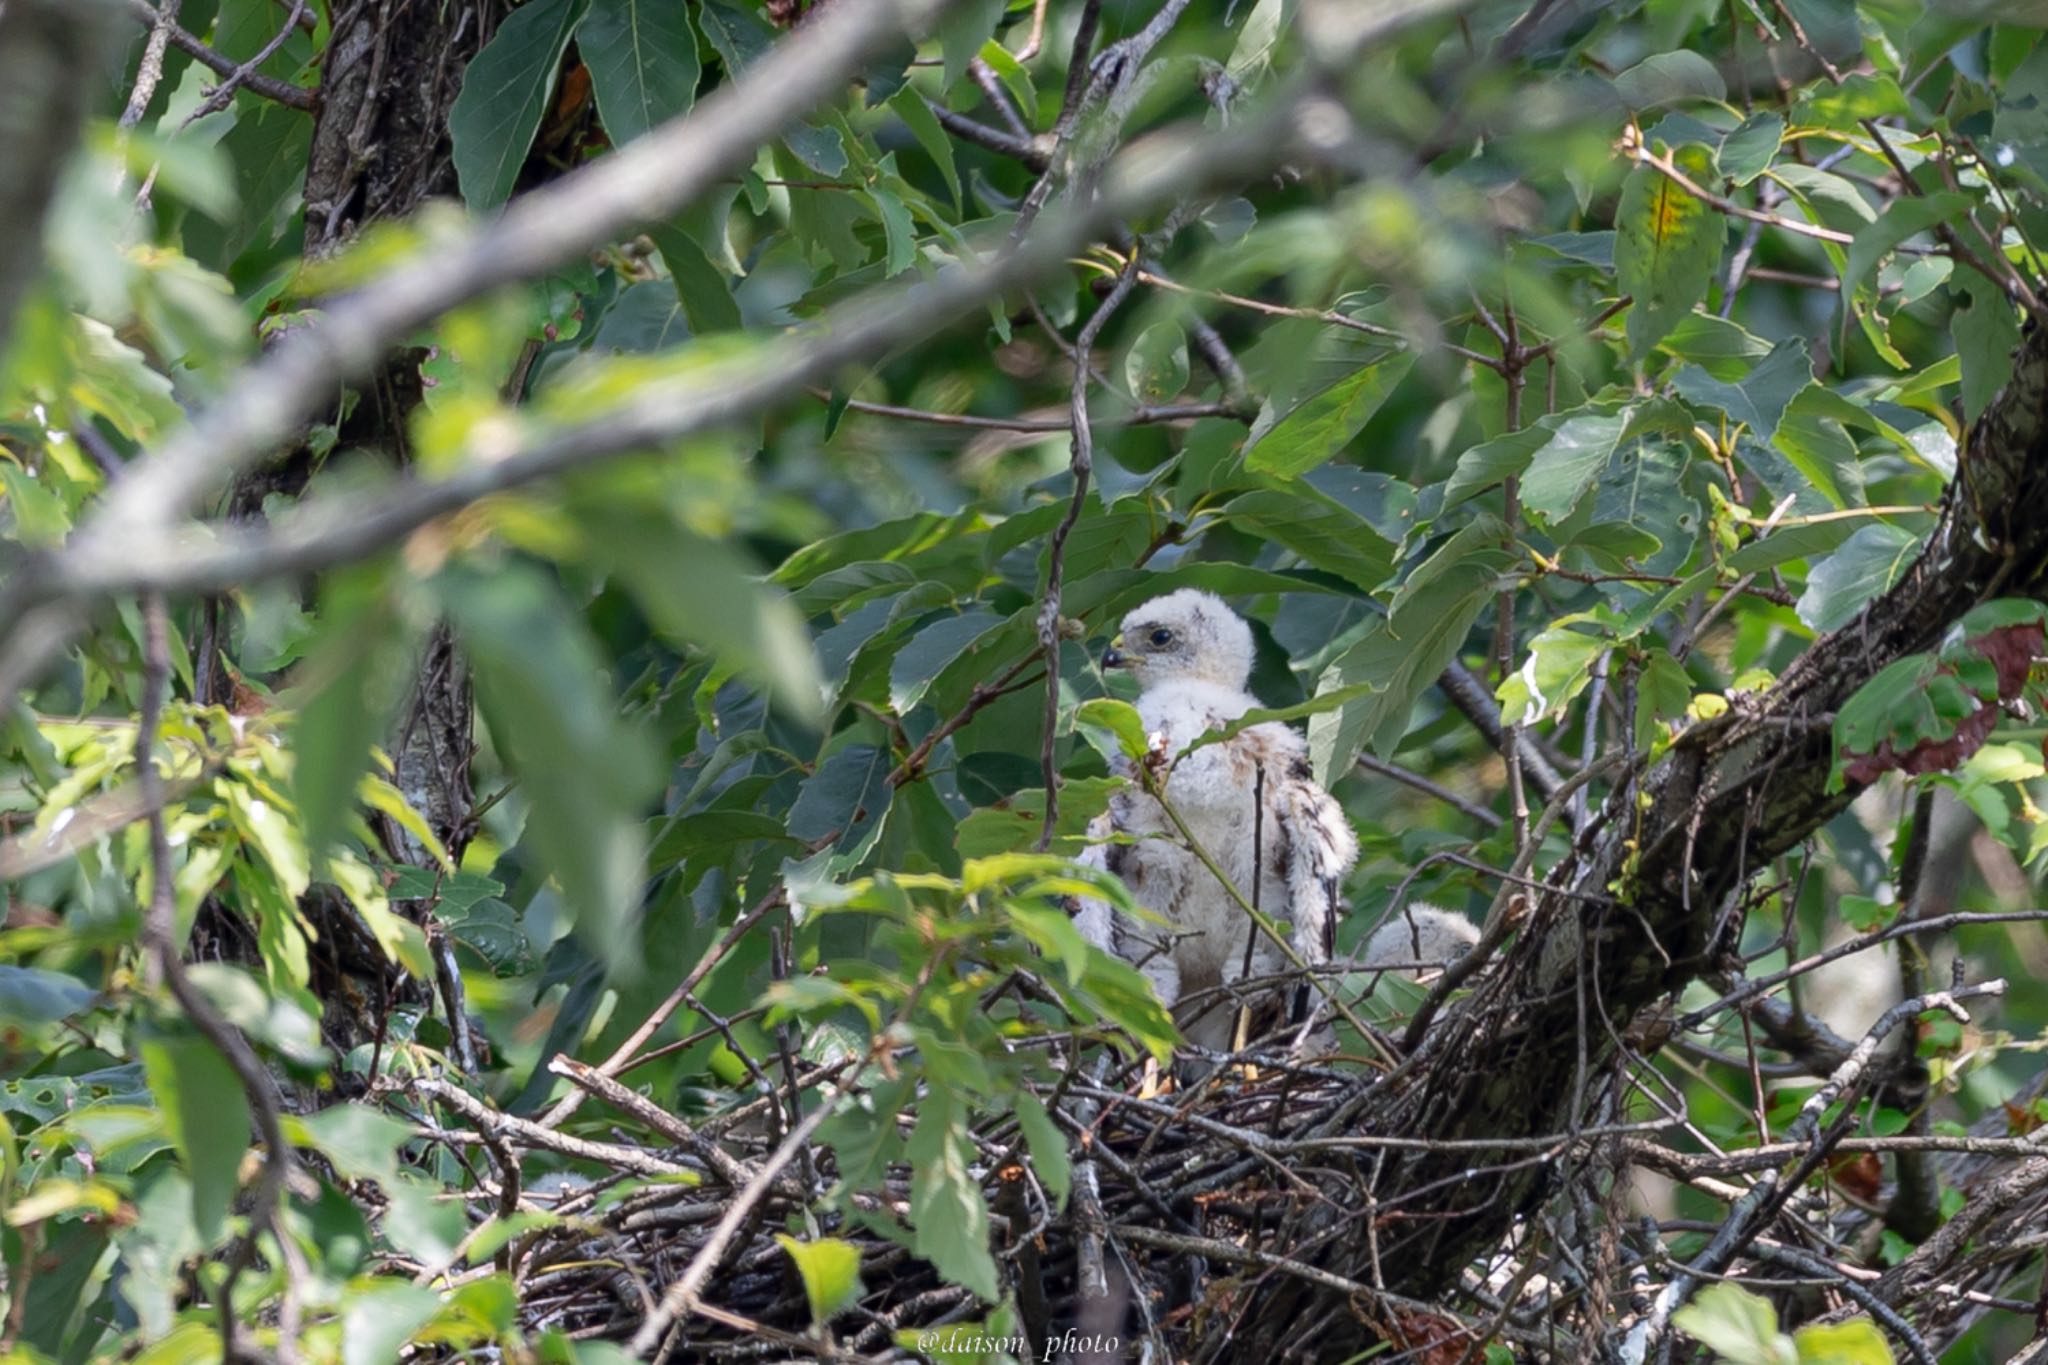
1472	810
1730	207
149	73
1082	465
219	98
1136	417
277	91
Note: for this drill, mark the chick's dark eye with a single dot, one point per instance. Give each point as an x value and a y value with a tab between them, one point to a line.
1162	637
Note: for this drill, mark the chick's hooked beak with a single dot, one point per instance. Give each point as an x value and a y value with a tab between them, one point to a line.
1113	657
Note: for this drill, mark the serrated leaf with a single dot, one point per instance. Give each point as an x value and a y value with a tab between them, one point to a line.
1986	334
1564	467
1405	654
1112	726
1013	826
505	91
847	798
1905	217
643	63
920	662
948	1213
1757	401
1338	518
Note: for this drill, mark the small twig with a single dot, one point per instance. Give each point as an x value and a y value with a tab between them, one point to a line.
1472	810
280	92
1082	464
225	91
150	73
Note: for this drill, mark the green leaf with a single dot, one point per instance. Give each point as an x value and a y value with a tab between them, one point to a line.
948	1215
700	284
1113	727
700	592
380	1316
737	33
643	65
1855	1342
1156	367
847	798
1867	564
1750	148
1324	423
34	995
830	1270
1430	618
1860	96
1667	248
899	233
208	1118
962	31
1987	332
542	687
929	652
1557	669
361	1142
505	91
1759	400
1564	467
1012	826
909	105
1048	1146
1339	518
1906	217
364	642
1865	913
1736	1325
1670	78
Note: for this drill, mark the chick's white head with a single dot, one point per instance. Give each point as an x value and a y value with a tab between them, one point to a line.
1186	636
